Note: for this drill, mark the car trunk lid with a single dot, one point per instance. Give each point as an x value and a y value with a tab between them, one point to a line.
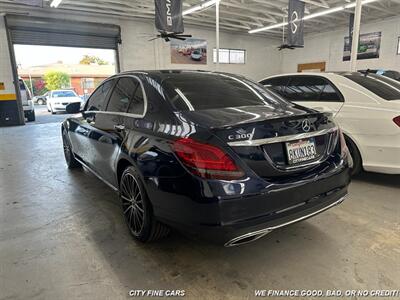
263	136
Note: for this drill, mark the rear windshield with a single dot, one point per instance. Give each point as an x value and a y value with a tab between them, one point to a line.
201	91
383	87
61	94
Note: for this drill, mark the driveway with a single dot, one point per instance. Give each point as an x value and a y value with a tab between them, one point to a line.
43	116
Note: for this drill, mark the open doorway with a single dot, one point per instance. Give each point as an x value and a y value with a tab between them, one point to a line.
55	76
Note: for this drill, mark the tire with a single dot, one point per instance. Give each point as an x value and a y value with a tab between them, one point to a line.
40	102
31	116
52	112
72	163
355	155
137	210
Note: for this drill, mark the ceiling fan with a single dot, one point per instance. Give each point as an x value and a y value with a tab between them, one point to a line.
290	47
167	36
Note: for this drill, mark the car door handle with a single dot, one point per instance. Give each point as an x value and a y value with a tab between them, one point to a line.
119	127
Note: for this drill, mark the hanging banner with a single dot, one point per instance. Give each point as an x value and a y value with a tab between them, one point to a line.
296	23
169	16
351	28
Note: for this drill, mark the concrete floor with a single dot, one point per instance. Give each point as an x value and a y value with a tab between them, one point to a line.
43	116
62	236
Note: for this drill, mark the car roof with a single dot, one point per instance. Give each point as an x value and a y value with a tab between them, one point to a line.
331	74
160	75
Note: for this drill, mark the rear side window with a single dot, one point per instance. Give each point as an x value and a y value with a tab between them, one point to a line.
136	105
122	94
197	91
277	84
305	88
329	93
97	100
385	88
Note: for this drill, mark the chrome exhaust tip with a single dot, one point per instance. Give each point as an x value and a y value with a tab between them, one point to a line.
247	238
253	236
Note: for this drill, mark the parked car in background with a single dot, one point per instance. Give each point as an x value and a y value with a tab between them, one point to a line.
388	73
59	99
366	106
196	55
213	154
27	103
41	100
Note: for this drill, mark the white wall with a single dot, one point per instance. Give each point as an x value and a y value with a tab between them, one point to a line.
136	52
328	47
262	57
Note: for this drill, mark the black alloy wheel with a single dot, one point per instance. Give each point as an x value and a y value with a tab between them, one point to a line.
356	156
132	203
72	163
137	209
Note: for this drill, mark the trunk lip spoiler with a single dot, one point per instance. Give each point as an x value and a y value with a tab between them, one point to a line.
285	138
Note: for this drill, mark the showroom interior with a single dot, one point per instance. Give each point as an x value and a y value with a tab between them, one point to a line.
62	232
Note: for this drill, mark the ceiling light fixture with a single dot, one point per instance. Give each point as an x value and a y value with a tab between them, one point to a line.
198	7
55	3
312	16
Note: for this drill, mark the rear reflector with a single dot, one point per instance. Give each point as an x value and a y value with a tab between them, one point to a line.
397	121
205	160
344	150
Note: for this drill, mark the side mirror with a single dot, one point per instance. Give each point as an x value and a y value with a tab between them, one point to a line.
73	108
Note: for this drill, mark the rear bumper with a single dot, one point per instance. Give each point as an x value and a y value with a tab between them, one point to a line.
282	222
224	219
61	107
28	108
242	232
380	153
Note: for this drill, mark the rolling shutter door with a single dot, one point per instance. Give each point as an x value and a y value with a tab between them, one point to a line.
54	32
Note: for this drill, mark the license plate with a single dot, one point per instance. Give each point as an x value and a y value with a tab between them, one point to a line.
301	151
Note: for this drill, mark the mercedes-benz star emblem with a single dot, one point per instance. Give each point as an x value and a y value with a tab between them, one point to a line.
306	125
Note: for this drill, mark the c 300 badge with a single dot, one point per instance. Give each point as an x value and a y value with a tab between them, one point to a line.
242	134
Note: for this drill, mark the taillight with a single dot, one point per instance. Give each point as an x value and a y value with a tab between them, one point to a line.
397	121
205	160
344	150
343	146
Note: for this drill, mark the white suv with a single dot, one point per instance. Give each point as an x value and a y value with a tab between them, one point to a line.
27	103
366	106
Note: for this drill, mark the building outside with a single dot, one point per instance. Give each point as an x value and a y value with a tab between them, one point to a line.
83	78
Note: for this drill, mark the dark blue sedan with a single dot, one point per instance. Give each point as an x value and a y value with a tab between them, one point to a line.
213	155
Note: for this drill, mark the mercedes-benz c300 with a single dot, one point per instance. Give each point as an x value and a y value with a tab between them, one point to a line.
214	155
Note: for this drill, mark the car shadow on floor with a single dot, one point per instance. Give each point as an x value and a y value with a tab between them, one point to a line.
379	179
177	262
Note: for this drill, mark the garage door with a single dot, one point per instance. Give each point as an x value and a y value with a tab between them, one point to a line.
54	32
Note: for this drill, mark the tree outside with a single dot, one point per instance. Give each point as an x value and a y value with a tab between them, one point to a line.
91	59
39	86
56	80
